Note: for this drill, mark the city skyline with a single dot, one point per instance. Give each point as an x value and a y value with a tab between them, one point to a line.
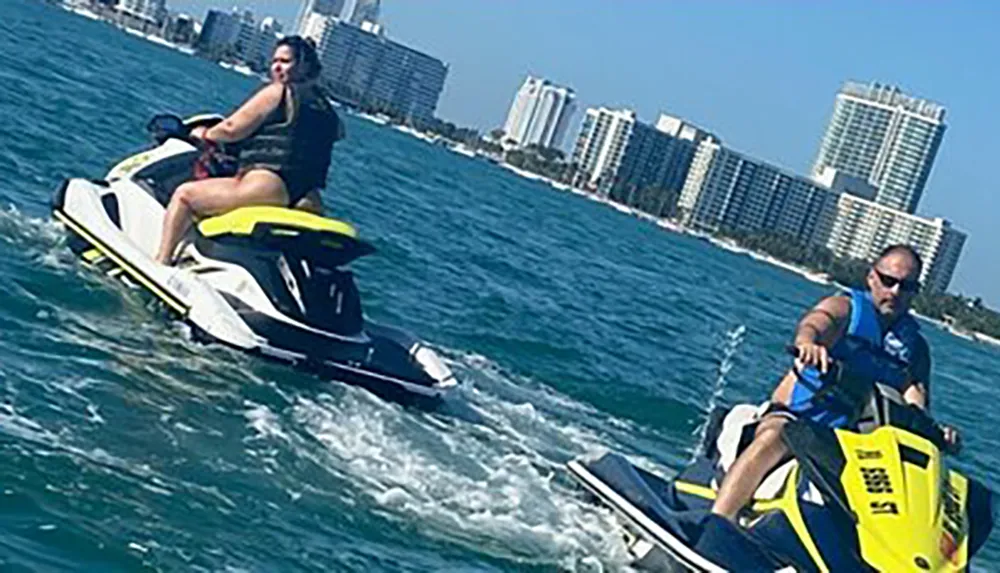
765	81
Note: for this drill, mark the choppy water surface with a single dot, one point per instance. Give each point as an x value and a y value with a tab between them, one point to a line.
574	328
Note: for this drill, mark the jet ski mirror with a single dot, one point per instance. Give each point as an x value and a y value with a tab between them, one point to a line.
164	126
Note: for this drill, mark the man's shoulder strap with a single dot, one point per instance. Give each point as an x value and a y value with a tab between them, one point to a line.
864	318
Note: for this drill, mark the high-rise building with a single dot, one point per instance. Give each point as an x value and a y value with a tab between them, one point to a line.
330	8
886	137
366	68
219	33
180	30
539	114
600	146
677	127
153	11
262	41
862	228
237	35
314	26
365	11
633	163
246	36
726	189
841	182
655	165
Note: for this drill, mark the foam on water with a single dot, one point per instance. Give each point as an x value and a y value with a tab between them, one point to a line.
732	341
495	486
42	240
20	229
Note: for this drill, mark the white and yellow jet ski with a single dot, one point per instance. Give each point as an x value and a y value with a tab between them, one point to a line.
270	281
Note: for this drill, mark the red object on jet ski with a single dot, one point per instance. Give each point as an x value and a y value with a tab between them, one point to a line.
203	165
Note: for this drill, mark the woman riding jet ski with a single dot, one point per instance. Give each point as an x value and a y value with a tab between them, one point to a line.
285	131
254	274
266	279
876	497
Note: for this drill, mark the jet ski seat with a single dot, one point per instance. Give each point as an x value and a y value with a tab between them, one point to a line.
739	422
320	240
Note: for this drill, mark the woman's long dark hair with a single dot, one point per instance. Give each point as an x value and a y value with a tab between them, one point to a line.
307	66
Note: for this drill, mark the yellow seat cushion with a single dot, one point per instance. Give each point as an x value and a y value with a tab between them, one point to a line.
242	221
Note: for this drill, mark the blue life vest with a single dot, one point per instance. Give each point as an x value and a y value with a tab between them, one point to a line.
866	355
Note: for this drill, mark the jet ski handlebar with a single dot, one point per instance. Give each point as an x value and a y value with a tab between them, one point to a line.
215	159
165	126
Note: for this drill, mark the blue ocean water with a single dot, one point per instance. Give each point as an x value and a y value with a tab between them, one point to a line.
574	328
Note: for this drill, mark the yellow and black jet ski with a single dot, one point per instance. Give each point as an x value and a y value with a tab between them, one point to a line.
267	280
879	499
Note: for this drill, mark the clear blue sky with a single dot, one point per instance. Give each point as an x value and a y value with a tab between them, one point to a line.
762	75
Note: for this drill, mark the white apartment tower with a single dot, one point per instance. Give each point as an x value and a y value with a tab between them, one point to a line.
539	114
601	144
886	137
862	228
726	189
316	8
314	27
364	11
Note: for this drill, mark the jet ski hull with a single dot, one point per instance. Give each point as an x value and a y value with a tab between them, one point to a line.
663	534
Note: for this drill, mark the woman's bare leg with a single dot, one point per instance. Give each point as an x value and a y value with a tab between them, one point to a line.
178	217
215	196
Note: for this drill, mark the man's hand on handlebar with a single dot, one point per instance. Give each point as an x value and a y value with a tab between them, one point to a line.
952	439
811	354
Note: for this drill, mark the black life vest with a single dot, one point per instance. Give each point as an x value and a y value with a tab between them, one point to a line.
296	138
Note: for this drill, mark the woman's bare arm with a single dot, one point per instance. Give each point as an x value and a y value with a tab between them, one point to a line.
248	117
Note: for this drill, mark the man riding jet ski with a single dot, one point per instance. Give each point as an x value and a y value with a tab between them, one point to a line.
268	280
877	498
866	488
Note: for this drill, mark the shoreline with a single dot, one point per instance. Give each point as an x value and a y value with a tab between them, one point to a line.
152	38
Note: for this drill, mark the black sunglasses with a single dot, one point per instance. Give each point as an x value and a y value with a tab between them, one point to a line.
905	285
